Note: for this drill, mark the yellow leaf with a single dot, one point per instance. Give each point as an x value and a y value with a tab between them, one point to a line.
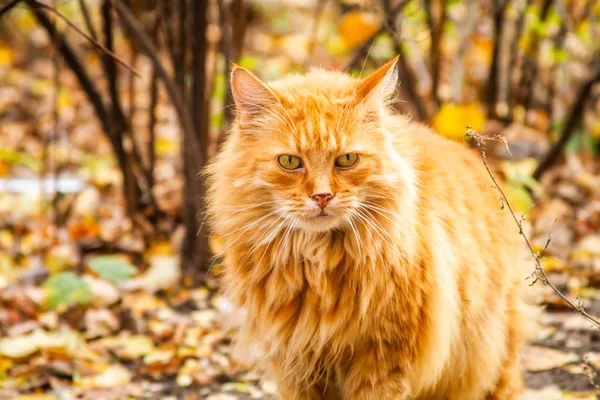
452	119
553	264
485	47
64	100
5	364
114	376
41	87
166	147
161	248
356	27
23	346
336	46
25	19
7	56
129	347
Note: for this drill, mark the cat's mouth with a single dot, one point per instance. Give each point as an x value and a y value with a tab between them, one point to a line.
323	213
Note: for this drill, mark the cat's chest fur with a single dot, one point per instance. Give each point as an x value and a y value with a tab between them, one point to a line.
311	288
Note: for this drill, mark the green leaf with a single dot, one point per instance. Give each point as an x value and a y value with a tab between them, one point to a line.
16	158
582	142
66	288
554	18
219	87
559	55
248	62
518	197
112	268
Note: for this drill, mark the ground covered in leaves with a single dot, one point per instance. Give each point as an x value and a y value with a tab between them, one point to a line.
92	309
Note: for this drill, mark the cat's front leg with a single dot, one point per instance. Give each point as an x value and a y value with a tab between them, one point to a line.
375	378
392	387
291	390
291	387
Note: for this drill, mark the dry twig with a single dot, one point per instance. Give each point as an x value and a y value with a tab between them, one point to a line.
37	5
364	48
8	6
539	274
175	93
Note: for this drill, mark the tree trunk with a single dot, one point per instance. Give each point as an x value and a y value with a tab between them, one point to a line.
195	250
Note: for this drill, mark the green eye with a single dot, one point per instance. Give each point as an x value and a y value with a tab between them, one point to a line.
347	160
289	162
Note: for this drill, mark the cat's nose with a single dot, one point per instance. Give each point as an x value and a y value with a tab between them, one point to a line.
322	199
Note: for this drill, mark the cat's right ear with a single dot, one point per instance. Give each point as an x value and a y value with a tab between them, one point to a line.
251	96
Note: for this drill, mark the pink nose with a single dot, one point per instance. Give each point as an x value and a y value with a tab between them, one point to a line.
322	199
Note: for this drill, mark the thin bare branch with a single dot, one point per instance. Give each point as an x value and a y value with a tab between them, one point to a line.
364	48
436	30
572	119
539	272
405	74
148	47
8	6
88	20
37	5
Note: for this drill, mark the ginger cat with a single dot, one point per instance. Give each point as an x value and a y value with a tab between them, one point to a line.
371	259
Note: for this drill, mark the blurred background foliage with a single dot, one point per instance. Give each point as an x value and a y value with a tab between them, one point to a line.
110	108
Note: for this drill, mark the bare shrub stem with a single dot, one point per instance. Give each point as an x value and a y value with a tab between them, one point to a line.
539	273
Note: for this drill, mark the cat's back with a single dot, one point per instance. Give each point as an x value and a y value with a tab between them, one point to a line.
451	177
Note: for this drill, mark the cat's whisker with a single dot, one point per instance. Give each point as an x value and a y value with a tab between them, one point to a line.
287	235
266	233
379	229
238	209
216	256
362	220
259	242
231	217
377	208
356	235
246	207
274	233
249	225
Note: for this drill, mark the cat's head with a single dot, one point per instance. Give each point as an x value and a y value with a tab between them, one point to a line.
308	149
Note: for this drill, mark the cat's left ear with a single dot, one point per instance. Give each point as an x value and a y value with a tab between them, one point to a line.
380	85
252	97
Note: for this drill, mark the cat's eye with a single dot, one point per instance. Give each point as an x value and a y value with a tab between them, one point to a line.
347	160
289	162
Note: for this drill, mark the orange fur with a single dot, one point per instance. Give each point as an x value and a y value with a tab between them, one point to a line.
408	289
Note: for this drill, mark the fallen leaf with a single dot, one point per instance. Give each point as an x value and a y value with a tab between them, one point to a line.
100	322
25	345
537	358
103	294
115	375
66	288
112	268
7	56
128	347
163	273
